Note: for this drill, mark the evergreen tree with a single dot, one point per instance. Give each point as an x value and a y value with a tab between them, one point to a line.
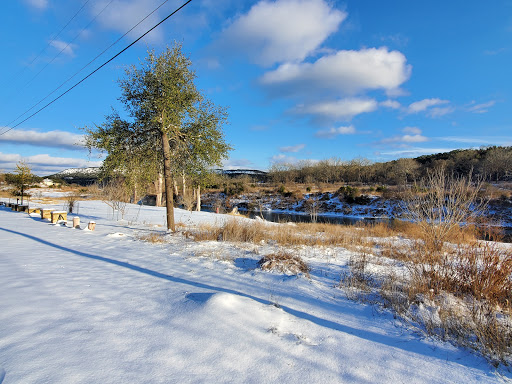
174	128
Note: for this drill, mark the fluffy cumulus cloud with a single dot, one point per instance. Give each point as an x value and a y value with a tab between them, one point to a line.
293	148
282	31
345	72
44	164
333	132
54	139
344	109
412	135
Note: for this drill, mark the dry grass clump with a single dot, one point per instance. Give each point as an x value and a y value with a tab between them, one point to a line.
153	237
286	235
462	294
358	282
284	262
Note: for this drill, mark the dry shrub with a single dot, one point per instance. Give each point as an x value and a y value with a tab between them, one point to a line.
205	232
357	282
464	295
284	262
286	235
153	237
447	202
242	231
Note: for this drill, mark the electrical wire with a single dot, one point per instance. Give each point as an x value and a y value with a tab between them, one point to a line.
89	63
65	47
49	43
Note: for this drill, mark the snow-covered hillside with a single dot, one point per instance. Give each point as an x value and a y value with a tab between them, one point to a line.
103	306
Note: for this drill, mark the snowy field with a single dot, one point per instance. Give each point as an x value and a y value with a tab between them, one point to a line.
103	306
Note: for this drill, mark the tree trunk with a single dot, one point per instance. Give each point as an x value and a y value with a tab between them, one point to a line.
198	197
168	182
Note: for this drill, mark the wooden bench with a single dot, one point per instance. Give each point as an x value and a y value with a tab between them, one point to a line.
22	208
59	216
46	213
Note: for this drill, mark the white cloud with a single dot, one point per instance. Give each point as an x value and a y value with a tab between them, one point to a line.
39	4
62	46
412	130
345	72
412	135
413	139
344	109
282	31
393	104
438	112
122	15
293	149
283	159
423	105
481	108
54	139
237	164
333	132
44	164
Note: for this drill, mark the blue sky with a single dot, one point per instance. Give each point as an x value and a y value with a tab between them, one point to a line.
302	79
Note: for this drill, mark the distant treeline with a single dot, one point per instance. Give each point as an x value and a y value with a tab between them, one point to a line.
487	163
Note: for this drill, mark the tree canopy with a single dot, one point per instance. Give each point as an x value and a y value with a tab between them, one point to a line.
174	128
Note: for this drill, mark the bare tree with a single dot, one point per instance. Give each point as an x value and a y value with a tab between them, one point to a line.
446	203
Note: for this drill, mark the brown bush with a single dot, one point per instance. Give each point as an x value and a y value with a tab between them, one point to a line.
284	262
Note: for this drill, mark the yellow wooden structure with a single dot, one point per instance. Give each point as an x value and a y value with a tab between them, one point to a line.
57	216
46	213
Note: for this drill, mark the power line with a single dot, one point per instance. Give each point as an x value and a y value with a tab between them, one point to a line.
90	62
65	47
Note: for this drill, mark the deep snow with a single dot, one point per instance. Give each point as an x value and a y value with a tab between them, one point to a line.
103	306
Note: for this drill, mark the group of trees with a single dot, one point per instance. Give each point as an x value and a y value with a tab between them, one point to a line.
490	163
173	132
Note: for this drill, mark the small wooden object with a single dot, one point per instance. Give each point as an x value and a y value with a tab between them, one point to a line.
59	215
46	213
34	210
76	222
91	225
22	208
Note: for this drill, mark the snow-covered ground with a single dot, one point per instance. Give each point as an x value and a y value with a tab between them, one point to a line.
102	306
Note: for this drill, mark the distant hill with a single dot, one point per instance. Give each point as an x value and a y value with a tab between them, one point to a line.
80	176
253	173
89	175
